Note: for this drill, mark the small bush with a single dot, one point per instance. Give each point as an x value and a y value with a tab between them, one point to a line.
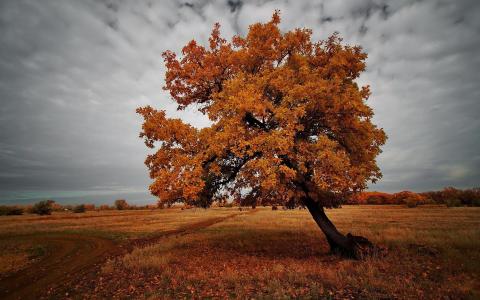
89	206
79	208
290	205
453	202
10	210
186	206
429	201
121	204
411	202
56	206
42	207
274	207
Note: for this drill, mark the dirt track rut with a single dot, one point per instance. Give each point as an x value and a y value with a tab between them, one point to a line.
71	256
66	255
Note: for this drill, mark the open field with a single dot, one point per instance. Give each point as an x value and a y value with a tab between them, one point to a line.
433	252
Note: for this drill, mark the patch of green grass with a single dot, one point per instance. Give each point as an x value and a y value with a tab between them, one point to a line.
36	251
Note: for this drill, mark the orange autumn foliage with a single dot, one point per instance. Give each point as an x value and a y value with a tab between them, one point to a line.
371	198
404	197
288	121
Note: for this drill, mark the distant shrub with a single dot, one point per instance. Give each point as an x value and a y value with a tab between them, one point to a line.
121	204
274	207
43	207
471	197
56	206
290	204
428	200
468	197
476	202
408	198
411	202
79	208
186	206
104	207
453	202
10	210
370	198
89	206
142	207
375	200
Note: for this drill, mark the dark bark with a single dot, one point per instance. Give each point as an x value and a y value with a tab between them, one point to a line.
346	245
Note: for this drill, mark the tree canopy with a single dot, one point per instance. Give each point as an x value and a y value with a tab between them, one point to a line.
288	121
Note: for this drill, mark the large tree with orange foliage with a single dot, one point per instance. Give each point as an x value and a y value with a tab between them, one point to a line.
289	125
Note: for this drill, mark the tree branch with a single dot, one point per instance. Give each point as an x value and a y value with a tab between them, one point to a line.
236	169
254	122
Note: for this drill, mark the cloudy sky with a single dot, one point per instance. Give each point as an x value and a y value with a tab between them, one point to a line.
73	72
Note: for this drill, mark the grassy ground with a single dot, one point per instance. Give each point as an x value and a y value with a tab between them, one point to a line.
113	223
434	252
18	250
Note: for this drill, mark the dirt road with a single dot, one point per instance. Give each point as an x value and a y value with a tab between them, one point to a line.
70	256
66	255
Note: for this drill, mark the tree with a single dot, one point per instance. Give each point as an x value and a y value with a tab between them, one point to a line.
79	208
89	206
289	124
43	207
407	196
10	210
104	207
121	204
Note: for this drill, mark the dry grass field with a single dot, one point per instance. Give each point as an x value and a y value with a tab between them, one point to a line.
433	253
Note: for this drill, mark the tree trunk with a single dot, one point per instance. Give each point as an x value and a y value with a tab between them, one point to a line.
347	245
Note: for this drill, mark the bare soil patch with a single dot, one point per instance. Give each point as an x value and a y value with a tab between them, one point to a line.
66	255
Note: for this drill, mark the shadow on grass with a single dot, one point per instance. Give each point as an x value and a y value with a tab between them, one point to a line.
263	243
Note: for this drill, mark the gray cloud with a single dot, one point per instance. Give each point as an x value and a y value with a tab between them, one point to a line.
73	72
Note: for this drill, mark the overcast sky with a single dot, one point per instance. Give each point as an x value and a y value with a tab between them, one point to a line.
73	72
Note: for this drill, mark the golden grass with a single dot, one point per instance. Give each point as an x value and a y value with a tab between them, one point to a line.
17	251
127	223
434	252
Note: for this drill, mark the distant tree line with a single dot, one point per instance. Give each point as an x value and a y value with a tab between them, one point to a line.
46	207
449	196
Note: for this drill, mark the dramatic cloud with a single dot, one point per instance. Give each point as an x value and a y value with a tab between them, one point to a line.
73	72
